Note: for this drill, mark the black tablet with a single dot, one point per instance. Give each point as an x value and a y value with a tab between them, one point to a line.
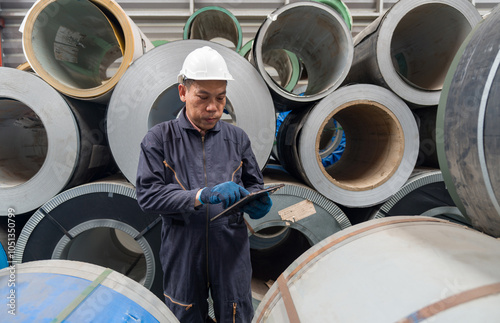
247	199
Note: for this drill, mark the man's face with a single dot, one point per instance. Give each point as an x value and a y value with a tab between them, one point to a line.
205	101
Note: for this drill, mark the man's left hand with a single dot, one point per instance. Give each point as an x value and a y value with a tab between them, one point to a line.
259	207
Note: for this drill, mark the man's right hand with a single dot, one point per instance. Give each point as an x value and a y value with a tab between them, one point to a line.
226	193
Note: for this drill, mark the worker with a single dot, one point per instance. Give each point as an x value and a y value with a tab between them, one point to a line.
190	169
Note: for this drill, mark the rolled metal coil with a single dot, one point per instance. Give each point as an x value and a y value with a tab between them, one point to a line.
426	120
381	145
75	45
296	206
423	194
99	223
324	46
468	118
285	63
341	8
147	95
410	48
299	218
74	291
445	266
48	142
216	24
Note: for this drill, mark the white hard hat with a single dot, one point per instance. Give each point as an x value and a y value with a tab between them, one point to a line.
204	63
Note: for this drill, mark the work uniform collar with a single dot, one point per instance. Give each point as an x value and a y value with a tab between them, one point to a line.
186	124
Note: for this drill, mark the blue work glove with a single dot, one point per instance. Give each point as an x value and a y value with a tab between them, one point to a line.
226	193
259	207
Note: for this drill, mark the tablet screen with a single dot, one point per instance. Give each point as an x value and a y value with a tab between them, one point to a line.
247	199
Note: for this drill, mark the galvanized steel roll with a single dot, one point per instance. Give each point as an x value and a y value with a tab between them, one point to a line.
216	24
423	194
99	223
286	65
298	207
47	142
381	145
410	48
299	218
426	120
74	291
81	48
318	35
446	272
468	117
147	95
341	8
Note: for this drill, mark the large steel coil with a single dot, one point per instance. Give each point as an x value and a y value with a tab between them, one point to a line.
286	65
73	45
423	194
468	117
446	272
74	291
147	95
47	142
426	120
381	145
216	24
299	218
324	46
341	8
99	223
410	48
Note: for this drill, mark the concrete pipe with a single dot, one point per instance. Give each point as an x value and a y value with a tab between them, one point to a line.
48	142
446	272
319	37
423	194
99	223
410	48
74	291
380	151
299	218
468	118
76	45
216	24
282	65
147	95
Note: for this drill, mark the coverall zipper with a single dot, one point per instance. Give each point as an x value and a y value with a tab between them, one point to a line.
234	312
208	220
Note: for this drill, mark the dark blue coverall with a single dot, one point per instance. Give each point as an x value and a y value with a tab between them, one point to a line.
175	162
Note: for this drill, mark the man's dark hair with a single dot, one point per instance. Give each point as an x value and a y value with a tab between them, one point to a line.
187	82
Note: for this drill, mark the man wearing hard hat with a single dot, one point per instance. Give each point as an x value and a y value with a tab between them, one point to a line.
191	169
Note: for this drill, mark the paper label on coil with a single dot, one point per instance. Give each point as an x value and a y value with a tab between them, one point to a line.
297	211
65	53
66	45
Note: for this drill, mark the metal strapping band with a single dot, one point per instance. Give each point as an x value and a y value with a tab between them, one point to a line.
252	231
149	227
80	298
57	224
291	311
450	302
